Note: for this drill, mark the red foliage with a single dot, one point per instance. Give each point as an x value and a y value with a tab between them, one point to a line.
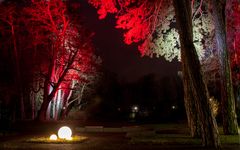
137	18
69	48
104	7
136	28
65	45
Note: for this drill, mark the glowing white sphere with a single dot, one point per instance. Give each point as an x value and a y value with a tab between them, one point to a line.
64	132
53	137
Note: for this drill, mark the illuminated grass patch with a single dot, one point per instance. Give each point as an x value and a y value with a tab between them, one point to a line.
75	139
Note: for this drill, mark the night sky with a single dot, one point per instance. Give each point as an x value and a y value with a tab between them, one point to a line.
122	59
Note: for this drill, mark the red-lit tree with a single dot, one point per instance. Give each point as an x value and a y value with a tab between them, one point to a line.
81	91
141	20
64	48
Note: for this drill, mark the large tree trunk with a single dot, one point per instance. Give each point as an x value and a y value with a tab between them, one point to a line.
48	93
209	131
230	125
42	113
190	107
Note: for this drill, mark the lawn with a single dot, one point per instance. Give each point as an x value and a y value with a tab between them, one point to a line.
75	139
174	134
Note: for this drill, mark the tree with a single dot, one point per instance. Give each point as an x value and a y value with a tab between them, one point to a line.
230	125
233	37
67	48
191	64
80	93
140	20
8	17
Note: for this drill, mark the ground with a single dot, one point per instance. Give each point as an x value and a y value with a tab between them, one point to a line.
116	137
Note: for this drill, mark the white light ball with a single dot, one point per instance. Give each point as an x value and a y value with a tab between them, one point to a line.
64	132
53	137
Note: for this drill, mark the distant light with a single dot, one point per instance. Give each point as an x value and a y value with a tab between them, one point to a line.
64	132
135	108
173	107
53	137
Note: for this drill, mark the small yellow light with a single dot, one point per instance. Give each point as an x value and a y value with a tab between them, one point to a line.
69	138
64	132
53	137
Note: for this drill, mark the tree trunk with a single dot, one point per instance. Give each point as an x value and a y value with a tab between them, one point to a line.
43	111
209	131
42	114
237	96
81	95
18	74
33	106
190	107
48	94
230	125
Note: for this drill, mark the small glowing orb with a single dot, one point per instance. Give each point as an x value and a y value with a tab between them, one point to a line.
173	107
135	108
64	132
53	137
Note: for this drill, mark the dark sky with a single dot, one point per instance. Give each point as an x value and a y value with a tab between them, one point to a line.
122	59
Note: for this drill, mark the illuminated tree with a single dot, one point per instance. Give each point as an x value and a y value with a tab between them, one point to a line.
230	125
191	65
81	90
142	21
67	54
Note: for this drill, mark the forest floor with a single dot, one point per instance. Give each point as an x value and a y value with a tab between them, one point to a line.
109	136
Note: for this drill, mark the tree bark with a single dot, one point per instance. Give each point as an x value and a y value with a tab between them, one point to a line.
190	107
237	95
47	94
42	113
191	65
18	73
230	125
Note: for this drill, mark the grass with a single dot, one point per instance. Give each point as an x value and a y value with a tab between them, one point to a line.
180	139
167	139
230	139
174	134
75	139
